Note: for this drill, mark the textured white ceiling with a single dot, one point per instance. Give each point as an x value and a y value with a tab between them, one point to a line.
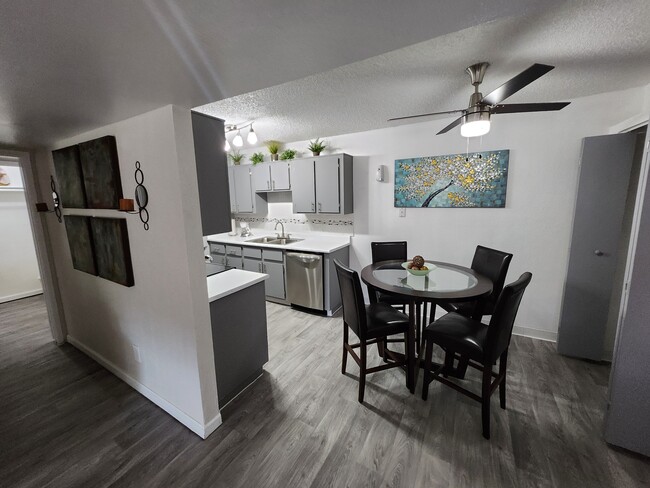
596	46
67	66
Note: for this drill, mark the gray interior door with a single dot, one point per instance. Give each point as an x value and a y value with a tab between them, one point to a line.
605	168
328	184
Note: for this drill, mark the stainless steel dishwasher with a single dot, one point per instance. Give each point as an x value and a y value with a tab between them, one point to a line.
305	279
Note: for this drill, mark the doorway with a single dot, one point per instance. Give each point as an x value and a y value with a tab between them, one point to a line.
624	244
608	186
21	277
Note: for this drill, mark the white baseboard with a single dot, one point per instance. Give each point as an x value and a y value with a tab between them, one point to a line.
544	335
201	430
18	296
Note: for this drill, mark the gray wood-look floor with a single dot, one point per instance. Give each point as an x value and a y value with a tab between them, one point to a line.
66	422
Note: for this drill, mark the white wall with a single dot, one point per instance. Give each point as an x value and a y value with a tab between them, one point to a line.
166	313
535	225
19	275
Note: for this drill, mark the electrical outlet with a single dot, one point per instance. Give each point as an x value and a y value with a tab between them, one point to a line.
136	354
402	212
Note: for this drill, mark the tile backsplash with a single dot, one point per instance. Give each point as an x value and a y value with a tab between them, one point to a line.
280	209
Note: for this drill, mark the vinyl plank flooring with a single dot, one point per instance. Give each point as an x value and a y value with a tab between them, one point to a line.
67	422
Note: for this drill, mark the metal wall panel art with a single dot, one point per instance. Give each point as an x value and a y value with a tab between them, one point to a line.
67	166
101	172
454	180
112	252
80	242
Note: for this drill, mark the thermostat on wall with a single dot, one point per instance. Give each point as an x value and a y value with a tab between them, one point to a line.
381	172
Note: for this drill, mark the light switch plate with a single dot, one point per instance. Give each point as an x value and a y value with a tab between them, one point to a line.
402	212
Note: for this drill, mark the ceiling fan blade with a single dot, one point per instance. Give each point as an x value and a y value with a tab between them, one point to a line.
427	115
513	85
452	125
513	108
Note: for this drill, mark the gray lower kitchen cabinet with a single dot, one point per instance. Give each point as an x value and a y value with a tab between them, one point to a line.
246	200
273	265
322	184
267	261
234	256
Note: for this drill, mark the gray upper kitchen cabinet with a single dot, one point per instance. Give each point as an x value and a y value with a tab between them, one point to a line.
280	176
328	191
271	177
231	188
322	184
303	193
211	172
246	200
261	177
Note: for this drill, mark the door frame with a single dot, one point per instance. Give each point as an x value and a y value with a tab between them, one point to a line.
41	238
644	174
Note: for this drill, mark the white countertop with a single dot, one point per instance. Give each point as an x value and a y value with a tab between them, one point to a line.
311	242
231	281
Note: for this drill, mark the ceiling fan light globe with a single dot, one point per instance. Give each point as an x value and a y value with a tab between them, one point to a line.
475	129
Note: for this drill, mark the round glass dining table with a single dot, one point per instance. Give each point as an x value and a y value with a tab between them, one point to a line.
445	283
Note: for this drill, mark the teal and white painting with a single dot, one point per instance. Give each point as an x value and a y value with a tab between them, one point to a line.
453	180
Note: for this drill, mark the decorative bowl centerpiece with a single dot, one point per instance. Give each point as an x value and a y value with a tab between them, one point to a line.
418	266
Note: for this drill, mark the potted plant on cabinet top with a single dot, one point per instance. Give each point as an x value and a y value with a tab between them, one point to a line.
316	146
236	157
274	148
288	154
257	158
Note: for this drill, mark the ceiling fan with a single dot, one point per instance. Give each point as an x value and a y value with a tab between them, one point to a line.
475	119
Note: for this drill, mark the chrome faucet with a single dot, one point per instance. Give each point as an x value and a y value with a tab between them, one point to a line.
276	228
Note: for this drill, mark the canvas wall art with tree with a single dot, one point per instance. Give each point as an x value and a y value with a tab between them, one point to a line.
453	180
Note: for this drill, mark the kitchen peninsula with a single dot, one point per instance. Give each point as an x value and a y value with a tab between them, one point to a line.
239	335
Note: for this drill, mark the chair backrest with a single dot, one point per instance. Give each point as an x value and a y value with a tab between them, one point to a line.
388	251
354	308
503	319
492	264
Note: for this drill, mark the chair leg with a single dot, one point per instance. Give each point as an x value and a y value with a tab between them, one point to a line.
485	400
428	359
410	360
503	367
345	351
362	370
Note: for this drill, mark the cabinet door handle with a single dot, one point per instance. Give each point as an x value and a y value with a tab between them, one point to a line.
273	185
268	184
320	207
313	209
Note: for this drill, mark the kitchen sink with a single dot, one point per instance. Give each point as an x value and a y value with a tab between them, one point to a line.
274	240
264	240
284	241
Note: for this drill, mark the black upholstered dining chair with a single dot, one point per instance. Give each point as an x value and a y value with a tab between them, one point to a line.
492	264
482	344
372	324
390	251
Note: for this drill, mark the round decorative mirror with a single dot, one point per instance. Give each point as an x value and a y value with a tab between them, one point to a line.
141	196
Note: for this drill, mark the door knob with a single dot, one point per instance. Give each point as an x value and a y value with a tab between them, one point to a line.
599	253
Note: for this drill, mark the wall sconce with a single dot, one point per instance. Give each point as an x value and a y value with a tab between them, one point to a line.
56	202
141	199
238	140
